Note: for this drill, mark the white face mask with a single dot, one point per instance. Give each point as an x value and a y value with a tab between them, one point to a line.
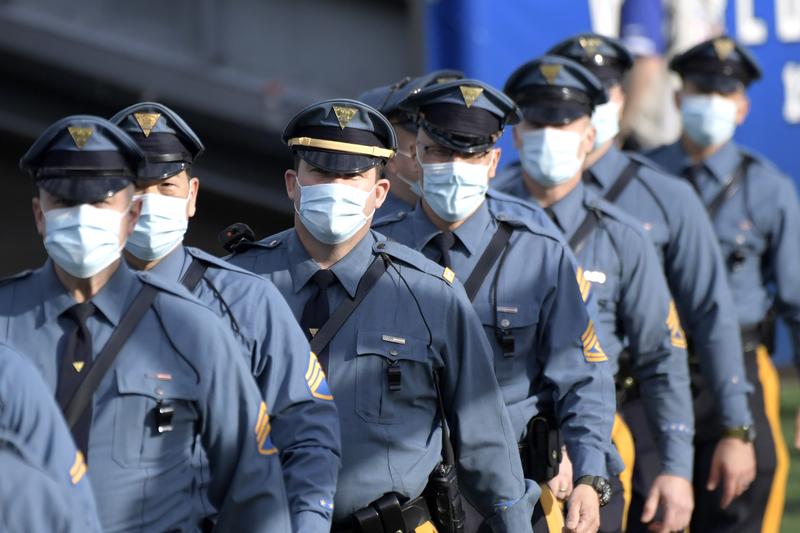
455	189
605	120
160	228
333	212
550	156
83	239
708	120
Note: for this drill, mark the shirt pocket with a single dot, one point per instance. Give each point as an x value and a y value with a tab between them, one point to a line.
511	329
393	376
138	441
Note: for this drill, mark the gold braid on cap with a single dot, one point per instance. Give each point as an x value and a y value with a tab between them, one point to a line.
337	146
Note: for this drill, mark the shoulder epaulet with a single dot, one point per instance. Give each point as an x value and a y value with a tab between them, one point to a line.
269	243
217	262
761	161
389	218
414	259
520	214
18	276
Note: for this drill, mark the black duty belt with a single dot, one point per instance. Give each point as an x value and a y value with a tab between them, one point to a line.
385	515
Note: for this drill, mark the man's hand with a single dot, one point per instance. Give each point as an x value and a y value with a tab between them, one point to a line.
561	485
733	463
675	495
583	515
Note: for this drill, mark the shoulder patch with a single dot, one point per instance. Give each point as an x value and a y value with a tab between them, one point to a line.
592	351
315	378
676	334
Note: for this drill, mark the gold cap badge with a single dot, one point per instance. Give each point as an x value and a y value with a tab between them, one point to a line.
723	47
470	94
550	72
80	135
147	121
344	115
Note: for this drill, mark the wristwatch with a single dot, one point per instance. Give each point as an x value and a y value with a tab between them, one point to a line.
746	433
600	486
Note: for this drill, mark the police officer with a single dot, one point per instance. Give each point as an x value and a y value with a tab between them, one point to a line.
408	338
756	215
673	218
31	499
36	438
619	264
142	370
305	426
546	353
402	170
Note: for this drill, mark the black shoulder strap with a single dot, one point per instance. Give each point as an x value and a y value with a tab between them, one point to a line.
624	179
346	308
83	395
488	259
194	274
730	187
448	455
592	217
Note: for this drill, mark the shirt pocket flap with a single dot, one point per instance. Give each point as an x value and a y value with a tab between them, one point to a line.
158	386
392	346
508	316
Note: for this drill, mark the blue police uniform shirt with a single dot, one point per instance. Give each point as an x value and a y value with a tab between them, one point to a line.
30	417
305	425
557	363
676	222
180	353
620	265
758	229
416	321
31	499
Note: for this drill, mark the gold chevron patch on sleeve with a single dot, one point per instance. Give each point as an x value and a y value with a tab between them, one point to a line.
78	469
263	429
592	351
676	334
315	378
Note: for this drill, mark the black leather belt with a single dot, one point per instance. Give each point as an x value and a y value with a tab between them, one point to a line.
371	520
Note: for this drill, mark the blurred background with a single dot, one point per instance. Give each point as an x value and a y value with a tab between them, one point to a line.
237	70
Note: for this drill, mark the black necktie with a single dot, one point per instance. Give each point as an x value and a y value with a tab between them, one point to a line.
75	363
694	174
445	242
317	312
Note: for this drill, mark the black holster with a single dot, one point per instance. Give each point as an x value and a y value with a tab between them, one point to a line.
444	499
626	385
541	451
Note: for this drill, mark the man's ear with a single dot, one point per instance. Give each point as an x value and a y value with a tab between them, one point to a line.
194	188
742	108
496	153
587	146
38	215
516	136
677	96
290	181
133	216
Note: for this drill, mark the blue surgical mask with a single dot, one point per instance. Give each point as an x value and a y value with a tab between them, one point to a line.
550	156
708	120
160	227
455	189
412	185
332	212
605	120
83	239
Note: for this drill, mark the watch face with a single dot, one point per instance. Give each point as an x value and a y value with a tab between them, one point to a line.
603	489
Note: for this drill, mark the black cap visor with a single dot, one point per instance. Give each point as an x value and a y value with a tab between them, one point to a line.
83	189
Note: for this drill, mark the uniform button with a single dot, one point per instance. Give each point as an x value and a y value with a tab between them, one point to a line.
394	352
505	323
160	391
381	246
273	242
628	382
